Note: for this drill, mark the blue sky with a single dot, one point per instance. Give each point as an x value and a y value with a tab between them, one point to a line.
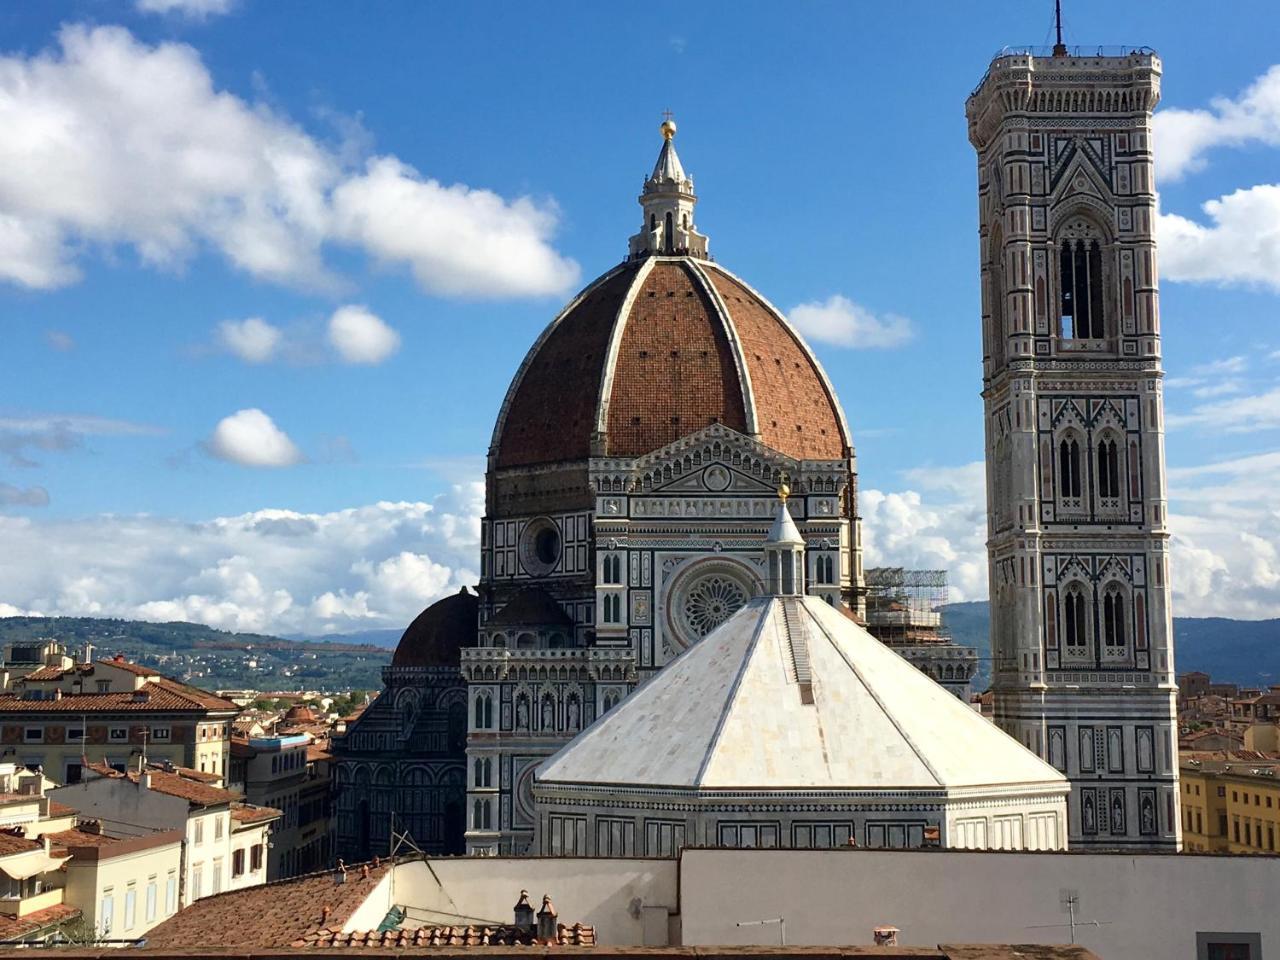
399	196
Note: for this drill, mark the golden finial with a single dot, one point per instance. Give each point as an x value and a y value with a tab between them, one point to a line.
668	127
784	490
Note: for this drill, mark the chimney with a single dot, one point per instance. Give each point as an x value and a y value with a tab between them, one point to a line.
547	933
524	913
144	779
88	653
885	936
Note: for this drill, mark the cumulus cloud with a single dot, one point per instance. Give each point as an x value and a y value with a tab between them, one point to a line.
111	142
194	9
275	571
253	340
1239	243
839	321
360	337
457	240
52	432
1183	137
11	496
252	439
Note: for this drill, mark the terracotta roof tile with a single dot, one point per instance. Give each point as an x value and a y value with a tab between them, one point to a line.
10	844
552	409
793	410
14	928
471	935
135	668
275	915
674	372
164	695
175	785
252	813
57	809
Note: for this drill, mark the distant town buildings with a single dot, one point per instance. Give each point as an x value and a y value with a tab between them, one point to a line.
61	713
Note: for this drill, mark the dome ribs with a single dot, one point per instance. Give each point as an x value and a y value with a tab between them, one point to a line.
674	372
551	415
795	413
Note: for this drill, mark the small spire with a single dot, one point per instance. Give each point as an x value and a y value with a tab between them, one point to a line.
1059	48
668	201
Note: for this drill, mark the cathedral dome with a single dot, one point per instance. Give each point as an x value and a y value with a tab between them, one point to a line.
662	345
439	632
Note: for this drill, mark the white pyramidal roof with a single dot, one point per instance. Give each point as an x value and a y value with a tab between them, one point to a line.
791	693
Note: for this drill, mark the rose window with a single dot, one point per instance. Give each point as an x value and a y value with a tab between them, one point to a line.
710	602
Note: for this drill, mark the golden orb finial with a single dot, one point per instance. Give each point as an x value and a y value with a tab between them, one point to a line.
784	490
668	127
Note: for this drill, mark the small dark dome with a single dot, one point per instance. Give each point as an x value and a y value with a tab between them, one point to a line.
439	632
531	607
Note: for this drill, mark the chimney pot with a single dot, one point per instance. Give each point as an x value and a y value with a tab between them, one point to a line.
547	932
524	916
364	871
885	936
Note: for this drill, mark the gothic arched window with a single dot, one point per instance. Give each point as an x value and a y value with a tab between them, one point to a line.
1069	484
484	711
612	608
668	239
1080	282
1113	629
612	568
1074	626
1108	468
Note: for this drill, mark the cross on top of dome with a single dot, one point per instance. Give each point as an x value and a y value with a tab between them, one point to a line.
668	201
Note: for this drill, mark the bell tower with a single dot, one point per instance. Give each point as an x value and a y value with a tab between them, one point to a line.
1078	546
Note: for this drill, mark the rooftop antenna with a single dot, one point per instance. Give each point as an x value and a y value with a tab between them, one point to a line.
1059	48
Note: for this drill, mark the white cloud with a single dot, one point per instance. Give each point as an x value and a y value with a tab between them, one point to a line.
11	496
840	321
1239	245
253	340
251	439
110	142
276	571
946	531
1238	415
457	240
1183	137
194	9
360	337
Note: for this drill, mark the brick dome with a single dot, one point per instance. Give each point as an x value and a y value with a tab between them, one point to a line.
655	349
439	632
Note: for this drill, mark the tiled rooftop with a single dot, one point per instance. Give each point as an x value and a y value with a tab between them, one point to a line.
14	928
473	935
275	915
174	784
251	813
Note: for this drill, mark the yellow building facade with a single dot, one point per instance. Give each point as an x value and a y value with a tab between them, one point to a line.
1230	806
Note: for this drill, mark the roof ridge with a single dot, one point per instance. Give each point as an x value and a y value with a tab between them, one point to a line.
743	662
874	694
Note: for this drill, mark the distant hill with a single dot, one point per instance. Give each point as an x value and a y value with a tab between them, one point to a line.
212	659
387	638
1241	651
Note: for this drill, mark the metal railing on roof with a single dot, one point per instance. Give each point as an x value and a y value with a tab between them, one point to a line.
1077	52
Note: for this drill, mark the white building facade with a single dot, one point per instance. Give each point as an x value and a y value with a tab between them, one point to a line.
792	726
1081	628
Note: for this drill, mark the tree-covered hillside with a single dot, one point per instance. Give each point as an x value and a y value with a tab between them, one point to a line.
209	658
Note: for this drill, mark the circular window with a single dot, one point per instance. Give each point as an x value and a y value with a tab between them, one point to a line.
540	546
546	546
705	595
710	602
